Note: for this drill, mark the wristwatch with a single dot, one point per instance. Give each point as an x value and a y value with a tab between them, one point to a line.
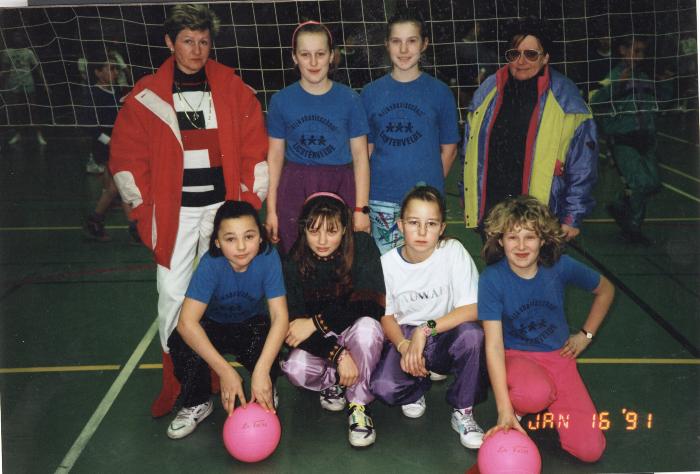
429	328
589	335
363	209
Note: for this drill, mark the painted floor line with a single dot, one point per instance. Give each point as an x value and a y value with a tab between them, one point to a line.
682	193
68	368
106	403
679	172
450	222
676	139
47	228
607	220
108	368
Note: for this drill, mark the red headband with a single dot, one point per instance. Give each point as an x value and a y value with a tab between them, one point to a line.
324	193
312	22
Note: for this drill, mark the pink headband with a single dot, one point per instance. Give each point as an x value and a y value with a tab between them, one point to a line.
324	193
311	22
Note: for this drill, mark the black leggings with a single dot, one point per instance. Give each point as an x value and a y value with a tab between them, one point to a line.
243	340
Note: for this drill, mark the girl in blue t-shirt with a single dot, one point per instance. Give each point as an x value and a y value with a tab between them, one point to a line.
530	353
318	140
224	312
413	128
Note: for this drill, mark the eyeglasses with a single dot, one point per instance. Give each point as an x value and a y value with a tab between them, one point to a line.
531	55
416	225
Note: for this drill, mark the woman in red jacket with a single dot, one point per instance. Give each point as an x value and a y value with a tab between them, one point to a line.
189	137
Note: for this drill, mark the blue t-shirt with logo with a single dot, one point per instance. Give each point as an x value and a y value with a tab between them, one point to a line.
317	128
233	297
408	122
532	311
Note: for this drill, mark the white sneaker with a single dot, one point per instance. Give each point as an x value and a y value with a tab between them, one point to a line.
15	139
333	398
470	433
361	431
435	377
415	409
187	420
40	139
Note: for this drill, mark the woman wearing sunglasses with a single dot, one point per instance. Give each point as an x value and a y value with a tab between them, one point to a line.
529	132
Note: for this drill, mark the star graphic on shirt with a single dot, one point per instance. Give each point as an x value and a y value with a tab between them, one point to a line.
408	127
390	127
302	140
322	140
399	127
311	140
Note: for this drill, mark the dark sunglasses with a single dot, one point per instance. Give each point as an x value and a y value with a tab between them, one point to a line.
531	55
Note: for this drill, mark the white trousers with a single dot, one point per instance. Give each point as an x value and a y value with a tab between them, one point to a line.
192	241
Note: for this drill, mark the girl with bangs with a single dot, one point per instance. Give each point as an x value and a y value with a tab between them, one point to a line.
431	289
318	139
335	293
530	354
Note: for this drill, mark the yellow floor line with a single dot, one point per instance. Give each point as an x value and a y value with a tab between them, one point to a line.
54	228
607	220
69	368
108	368
642	361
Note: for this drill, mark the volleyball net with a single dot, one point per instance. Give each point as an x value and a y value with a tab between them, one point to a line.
46	52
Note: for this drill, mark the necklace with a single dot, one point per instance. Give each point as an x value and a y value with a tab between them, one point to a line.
195	111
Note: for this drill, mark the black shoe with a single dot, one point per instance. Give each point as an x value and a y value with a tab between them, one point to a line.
95	229
619	216
134	234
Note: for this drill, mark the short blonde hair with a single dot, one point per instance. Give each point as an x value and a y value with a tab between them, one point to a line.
196	17
525	212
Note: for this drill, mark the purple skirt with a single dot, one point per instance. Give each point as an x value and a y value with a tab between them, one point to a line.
297	183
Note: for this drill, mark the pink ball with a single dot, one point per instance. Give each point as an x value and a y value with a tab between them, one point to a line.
509	453
251	434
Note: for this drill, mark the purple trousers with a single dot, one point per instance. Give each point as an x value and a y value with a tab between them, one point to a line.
458	351
300	181
364	342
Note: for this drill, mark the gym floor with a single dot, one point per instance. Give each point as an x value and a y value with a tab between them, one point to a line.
80	358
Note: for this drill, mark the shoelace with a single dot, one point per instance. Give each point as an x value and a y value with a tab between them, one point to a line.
468	422
188	413
360	419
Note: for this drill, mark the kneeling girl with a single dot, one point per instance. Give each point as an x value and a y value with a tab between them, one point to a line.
224	313
530	354
431	317
336	297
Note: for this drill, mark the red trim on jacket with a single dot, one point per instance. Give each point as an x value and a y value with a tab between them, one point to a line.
502	77
145	146
542	86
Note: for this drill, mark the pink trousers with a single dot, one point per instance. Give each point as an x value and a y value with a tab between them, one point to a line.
545	380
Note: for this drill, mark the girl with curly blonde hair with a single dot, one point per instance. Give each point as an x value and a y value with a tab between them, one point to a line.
530	352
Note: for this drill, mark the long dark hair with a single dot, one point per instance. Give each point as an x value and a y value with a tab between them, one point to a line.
234	210
329	211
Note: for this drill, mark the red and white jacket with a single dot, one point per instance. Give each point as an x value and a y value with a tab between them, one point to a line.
146	151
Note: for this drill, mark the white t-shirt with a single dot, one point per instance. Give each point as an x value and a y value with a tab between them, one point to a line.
417	292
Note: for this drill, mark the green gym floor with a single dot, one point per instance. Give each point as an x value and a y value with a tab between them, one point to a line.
80	358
